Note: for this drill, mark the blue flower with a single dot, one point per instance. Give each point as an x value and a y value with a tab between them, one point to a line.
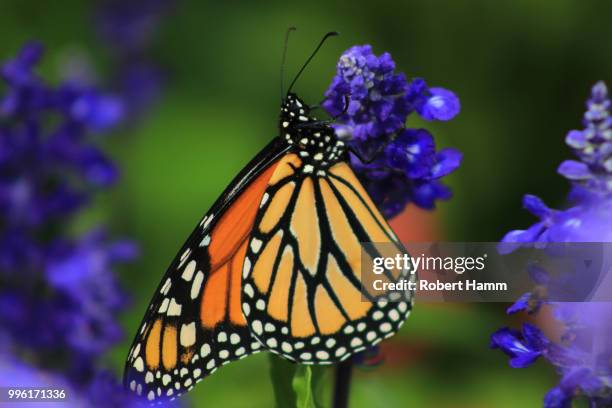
127	29
592	146
524	347
413	151
59	287
81	273
522	304
583	358
397	165
441	104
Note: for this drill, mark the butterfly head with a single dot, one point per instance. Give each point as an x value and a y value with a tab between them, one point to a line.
294	111
315	139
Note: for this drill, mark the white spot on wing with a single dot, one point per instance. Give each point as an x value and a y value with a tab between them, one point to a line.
188	334
257	327
207	222
189	270
185	254
164	306
286	347
385	327
136	350
197	284
174	309
164	290
255	245
356	342
139	364
246	268
166	379
205	241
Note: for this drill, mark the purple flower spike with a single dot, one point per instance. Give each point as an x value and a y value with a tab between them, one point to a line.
59	295
587	336
593	146
374	125
58	292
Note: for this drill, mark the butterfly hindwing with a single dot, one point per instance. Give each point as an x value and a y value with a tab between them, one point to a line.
194	323
302	290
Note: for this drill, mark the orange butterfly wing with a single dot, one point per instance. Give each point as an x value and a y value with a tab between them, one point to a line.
194	323
303	295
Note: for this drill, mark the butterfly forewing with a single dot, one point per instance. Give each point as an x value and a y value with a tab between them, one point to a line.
194	323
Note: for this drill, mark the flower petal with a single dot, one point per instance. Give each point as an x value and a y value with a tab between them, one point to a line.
574	170
448	160
536	206
442	104
521	304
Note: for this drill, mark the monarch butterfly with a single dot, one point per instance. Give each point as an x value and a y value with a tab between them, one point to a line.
274	264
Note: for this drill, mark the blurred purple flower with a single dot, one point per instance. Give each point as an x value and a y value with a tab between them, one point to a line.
592	184
371	103
128	30
46	166
58	293
583	359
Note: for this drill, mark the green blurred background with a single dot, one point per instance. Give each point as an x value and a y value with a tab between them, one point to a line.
522	70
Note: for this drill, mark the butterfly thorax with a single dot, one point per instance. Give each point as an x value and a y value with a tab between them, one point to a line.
313	140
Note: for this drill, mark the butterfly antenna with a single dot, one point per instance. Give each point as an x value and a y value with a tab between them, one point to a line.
282	69
325	37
